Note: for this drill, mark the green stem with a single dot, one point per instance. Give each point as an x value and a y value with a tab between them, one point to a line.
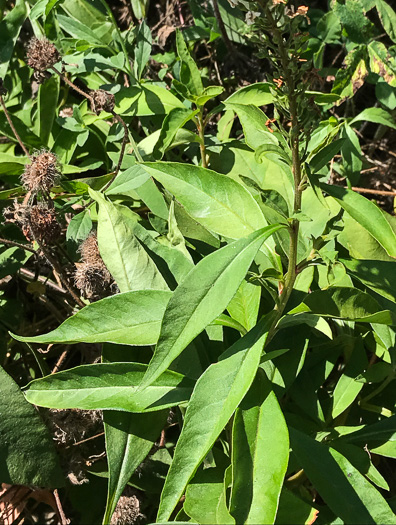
200	123
378	390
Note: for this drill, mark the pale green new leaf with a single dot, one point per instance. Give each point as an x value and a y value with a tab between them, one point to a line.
202	296
214	200
124	256
254	124
216	395
257	94
366	213
109	386
260	454
131	318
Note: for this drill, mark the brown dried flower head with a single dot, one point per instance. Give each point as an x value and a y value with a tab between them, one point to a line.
127	511
102	101
42	54
89	249
43	225
92	277
42	173
93	280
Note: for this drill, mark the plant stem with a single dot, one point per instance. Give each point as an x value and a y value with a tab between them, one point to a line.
201	131
13	127
71	84
18	245
123	146
291	91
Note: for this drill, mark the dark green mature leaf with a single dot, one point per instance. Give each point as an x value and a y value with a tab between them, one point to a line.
190	76
79	30
79	227
367	214
260	454
10	27
353	19
124	256
109	386
142	49
129	439
48	94
214	200
202	296
131	318
365	503
345	303
380	276
27	453
216	395
325	155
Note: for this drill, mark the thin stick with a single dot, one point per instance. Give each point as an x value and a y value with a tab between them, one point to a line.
18	245
374	192
70	83
13	127
30	275
61	359
62	516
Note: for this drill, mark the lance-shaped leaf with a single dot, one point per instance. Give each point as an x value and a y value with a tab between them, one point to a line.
260	454
129	439
131	318
109	386
366	213
216	395
345	303
216	201
333	475
202	297
124	256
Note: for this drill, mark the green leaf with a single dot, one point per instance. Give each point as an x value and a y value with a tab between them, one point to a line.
77	29
139	8
207	414
325	155
351	78
244	306
131	318
207	94
146	100
27	452
128	180
366	213
365	503
345	303
258	94
190	75
10	27
109	386
376	115
129	439
294	510
202	296
173	121
260	454
124	256
347	388
142	49
48	94
388	18
381	62
214	200
351	14
79	227
380	276
253	122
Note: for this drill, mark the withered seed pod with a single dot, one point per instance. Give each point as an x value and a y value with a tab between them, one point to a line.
42	54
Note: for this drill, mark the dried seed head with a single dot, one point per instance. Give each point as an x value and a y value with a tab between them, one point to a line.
43	224
42	54
93	280
127	511
89	249
42	173
17	213
102	101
